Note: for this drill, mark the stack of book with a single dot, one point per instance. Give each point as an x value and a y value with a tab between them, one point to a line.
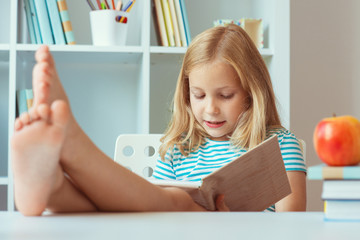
48	22
341	190
24	99
171	23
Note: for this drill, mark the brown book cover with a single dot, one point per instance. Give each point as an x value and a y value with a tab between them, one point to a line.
252	182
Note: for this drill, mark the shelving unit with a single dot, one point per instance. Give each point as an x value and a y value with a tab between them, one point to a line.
125	89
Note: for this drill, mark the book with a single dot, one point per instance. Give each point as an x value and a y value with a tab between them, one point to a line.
55	22
44	22
253	182
341	190
342	210
168	23
29	21
66	23
24	98
175	23
160	23
35	22
186	22
323	171
21	101
181	23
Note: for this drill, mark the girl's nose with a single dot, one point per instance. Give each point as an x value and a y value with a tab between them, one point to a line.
212	107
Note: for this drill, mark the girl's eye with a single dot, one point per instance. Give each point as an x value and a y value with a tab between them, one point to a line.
198	96
227	96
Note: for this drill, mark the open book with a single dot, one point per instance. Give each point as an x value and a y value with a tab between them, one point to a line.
252	182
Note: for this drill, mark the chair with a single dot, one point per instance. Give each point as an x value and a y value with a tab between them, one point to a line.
138	152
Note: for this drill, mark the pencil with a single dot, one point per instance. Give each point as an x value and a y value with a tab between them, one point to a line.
113	4
91	5
99	4
118	6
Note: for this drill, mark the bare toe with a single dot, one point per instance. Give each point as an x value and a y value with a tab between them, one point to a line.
25	118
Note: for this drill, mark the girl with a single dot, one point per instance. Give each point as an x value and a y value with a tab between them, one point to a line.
224	105
223	99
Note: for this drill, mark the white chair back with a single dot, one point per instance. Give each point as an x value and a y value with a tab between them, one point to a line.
138	152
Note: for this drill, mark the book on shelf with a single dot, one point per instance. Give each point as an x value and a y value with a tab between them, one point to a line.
175	23
168	22
24	98
323	171
342	210
29	21
66	23
253	182
44	22
180	20
186	21
35	22
55	22
159	23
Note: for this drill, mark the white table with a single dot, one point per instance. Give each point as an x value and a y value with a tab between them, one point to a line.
180	225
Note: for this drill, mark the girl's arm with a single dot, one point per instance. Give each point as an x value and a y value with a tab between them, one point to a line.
296	201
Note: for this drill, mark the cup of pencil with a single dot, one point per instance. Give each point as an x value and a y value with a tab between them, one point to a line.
109	24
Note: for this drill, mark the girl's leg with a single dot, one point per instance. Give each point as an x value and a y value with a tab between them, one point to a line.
35	149
108	185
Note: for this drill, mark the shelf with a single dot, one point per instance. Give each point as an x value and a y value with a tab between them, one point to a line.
176	50
4	52
265	52
85	53
4	180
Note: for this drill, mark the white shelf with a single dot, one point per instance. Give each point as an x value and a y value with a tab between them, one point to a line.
4	180
129	89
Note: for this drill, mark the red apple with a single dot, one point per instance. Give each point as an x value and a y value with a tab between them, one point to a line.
337	141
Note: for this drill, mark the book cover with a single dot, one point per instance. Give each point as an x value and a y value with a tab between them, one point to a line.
29	98
168	23
35	22
21	101
252	182
66	23
55	22
44	22
181	23
341	190
186	22
29	21
323	171
160	23
175	23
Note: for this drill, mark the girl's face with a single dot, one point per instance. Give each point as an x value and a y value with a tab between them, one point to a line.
217	98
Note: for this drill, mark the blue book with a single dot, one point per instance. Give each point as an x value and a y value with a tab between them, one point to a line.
29	21
21	101
44	22
186	22
323	172
35	22
55	21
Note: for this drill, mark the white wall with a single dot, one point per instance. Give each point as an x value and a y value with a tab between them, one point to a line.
324	69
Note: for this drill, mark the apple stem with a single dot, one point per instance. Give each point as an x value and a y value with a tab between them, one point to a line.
334	115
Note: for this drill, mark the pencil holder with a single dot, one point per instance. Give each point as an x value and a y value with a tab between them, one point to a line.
109	27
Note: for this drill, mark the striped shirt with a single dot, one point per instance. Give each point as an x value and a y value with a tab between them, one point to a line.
212	155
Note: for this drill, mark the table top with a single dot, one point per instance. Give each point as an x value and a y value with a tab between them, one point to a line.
176	225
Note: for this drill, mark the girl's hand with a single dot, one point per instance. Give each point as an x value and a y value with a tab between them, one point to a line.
220	204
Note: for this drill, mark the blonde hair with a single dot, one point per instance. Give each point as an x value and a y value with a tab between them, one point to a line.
233	46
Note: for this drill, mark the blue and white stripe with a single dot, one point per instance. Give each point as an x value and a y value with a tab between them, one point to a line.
212	155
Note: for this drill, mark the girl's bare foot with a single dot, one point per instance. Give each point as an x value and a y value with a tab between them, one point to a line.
35	150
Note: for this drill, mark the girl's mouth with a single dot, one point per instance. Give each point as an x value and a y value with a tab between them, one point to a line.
214	124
